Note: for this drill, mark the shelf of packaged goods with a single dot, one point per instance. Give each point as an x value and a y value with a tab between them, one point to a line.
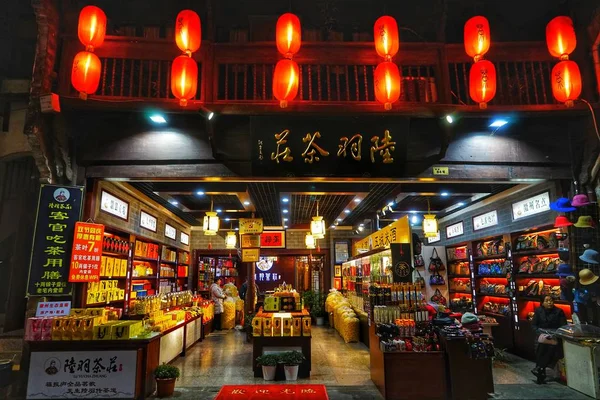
456	260
540	276
538	300
458	276
182	277
168	262
493	257
111	254
139	258
493	314
113	277
459	291
493	295
142	278
534	252
105	303
491	276
183	264
167	277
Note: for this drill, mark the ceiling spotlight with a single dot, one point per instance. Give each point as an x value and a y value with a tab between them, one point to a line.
246	203
449	119
461	204
362	225
218	210
227	219
237	229
361	228
332	226
391	203
158	119
200	193
347	211
339	220
444	194
285	220
174	202
211	115
285	199
357	200
412	212
285	211
498	123
285	226
414	219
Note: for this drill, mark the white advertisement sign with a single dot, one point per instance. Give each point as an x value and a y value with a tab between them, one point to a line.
485	220
531	206
53	309
113	205
433	239
170	232
455	230
82	375
183	238
148	221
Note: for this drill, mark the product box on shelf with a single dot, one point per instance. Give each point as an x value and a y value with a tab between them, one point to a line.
276	326
267	327
272	303
126	330
257	325
103	332
297	326
306	324
287	326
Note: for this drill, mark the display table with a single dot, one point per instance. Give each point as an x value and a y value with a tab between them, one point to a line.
466	378
407	375
582	362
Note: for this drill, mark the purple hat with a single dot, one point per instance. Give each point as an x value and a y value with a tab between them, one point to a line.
580	200
562	205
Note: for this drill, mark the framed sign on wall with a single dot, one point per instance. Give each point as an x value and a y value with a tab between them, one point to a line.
113	205
455	230
148	221
486	220
170	232
342	251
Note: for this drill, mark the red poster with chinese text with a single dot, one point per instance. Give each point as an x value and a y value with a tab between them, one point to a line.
87	252
268	392
272	239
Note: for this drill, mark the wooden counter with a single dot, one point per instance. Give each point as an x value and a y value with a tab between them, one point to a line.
407	375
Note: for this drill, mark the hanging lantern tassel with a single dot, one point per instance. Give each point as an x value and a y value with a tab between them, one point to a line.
566	82
482	82
285	81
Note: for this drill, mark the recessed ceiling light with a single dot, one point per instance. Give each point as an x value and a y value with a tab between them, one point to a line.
285	211
414	219
361	228
498	123
445	194
339	220
227	219
285	226
218	210
285	199
347	211
362	225
174	202
412	212
461	204
285	220
357	200
200	193
449	119
332	227
211	115
237	229
158	119
246	203
391	203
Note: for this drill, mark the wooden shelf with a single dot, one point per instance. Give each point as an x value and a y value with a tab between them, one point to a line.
541	276
493	295
458	276
138	258
456	260
142	278
538	300
534	252
494	257
491	276
111	254
493	314
183	264
168	262
113	277
106	303
167	277
459	291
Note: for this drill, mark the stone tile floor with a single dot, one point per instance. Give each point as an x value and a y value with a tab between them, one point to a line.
225	358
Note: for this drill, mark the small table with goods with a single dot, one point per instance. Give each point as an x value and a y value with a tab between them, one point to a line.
581	346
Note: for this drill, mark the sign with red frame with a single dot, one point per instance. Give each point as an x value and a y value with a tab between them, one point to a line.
272	240
86	255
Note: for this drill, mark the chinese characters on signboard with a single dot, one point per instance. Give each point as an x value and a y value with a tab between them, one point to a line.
383	237
59	208
148	221
251	226
82	375
485	220
170	232
86	253
531	206
264	270
250	255
436	238
272	240
114	205
454	230
53	309
250	241
184	238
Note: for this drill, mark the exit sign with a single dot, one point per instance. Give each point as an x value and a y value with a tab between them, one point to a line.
440	171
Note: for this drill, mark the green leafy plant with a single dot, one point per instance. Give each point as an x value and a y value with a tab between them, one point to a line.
309	298
318	306
268	360
291	358
248	322
166	371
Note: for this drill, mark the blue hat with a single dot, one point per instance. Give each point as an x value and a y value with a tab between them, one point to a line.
562	205
590	256
564	270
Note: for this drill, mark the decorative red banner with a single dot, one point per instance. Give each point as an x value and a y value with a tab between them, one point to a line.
269	392
272	240
87	252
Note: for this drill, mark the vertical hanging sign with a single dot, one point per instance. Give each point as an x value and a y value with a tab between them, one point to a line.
59	208
87	252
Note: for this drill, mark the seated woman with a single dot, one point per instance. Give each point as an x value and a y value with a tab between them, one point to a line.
546	317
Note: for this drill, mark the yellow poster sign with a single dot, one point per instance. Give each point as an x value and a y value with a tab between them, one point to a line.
251	226
396	232
250	241
250	255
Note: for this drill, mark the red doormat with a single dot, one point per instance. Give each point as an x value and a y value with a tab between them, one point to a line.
260	392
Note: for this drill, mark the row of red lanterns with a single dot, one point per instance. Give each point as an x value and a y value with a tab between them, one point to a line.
560	39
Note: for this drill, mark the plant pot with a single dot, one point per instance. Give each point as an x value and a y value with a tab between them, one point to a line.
269	372
291	372
320	321
165	387
5	372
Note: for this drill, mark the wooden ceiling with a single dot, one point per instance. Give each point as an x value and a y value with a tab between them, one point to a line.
293	204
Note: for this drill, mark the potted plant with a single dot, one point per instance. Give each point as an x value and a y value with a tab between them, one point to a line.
318	309
308	298
268	362
291	360
165	379
248	326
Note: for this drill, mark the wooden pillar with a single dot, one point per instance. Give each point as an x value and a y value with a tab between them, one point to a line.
250	293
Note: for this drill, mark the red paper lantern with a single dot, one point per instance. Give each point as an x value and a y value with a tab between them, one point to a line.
85	75
184	79
482	82
477	37
285	81
188	31
92	27
288	35
566	82
385	32
560	37
387	83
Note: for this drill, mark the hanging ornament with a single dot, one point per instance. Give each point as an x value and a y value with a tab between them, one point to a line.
309	240
477	37
85	74
230	240
387	84
285	81
184	79
482	82
560	37
288	35
210	225
91	28
385	34
188	31
317	225
566	82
